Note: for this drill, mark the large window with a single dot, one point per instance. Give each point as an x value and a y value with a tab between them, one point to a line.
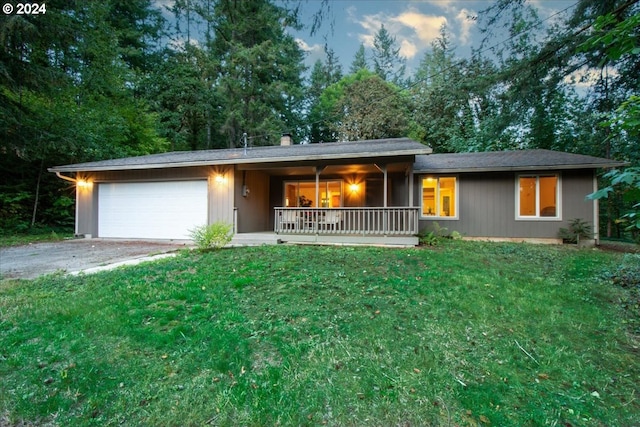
303	194
538	196
439	197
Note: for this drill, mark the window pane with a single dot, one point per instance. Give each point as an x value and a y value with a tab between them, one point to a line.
527	196
447	196
291	195
429	196
307	195
335	194
303	194
548	185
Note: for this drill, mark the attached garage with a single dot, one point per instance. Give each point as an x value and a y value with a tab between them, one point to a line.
151	210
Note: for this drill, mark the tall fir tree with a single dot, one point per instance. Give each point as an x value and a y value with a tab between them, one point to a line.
387	61
359	60
323	75
259	73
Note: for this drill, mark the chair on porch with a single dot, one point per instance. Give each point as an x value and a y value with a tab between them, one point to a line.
289	220
330	220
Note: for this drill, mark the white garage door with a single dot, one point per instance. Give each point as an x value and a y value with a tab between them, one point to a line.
151	210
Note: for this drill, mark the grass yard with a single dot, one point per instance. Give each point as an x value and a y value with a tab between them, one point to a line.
465	334
37	235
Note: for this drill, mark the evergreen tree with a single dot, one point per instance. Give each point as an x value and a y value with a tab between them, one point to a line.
322	76
359	61
441	105
387	61
67	95
259	73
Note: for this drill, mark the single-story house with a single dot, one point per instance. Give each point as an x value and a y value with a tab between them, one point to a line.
377	191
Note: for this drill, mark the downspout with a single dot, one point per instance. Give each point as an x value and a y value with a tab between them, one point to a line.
59	175
77	213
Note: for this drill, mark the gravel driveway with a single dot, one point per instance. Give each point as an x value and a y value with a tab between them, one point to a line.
33	260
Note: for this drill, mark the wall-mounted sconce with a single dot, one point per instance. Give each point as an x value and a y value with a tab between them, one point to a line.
245	191
82	183
220	179
79	182
354	187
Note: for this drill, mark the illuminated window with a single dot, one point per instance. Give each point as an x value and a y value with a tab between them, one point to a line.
439	197
538	196
303	194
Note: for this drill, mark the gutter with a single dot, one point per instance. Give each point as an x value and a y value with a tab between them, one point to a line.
234	161
519	168
66	178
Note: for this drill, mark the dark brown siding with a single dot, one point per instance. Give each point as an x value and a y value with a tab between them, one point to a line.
253	209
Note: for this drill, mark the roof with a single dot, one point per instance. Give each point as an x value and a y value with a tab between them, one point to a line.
270	154
509	161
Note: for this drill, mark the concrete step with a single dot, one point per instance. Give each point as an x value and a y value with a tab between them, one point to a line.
254	239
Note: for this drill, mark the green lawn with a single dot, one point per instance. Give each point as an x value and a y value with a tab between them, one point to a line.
37	235
463	334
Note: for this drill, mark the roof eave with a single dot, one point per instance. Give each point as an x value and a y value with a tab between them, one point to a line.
239	160
521	168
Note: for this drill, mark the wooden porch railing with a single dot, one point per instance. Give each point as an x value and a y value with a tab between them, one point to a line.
397	221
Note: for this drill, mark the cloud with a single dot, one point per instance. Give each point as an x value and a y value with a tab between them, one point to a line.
408	49
314	52
306	47
370	23
465	25
462	17
425	27
410	28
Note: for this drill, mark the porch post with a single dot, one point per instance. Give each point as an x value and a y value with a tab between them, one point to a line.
384	171
319	170
410	177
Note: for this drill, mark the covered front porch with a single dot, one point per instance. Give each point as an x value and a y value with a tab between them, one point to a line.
334	203
376	221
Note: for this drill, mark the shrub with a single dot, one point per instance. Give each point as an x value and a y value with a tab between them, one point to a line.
434	237
212	236
577	229
627	273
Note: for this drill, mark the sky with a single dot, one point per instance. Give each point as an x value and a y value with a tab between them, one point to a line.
414	24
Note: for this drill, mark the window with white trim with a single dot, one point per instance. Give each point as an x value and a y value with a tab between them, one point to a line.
538	196
439	197
303	194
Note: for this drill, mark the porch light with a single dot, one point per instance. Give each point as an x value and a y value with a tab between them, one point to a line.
220	179
354	187
79	182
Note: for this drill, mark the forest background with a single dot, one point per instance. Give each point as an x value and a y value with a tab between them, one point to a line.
88	81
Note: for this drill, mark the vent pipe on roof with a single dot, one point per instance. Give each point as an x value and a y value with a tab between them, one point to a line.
285	139
244	137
